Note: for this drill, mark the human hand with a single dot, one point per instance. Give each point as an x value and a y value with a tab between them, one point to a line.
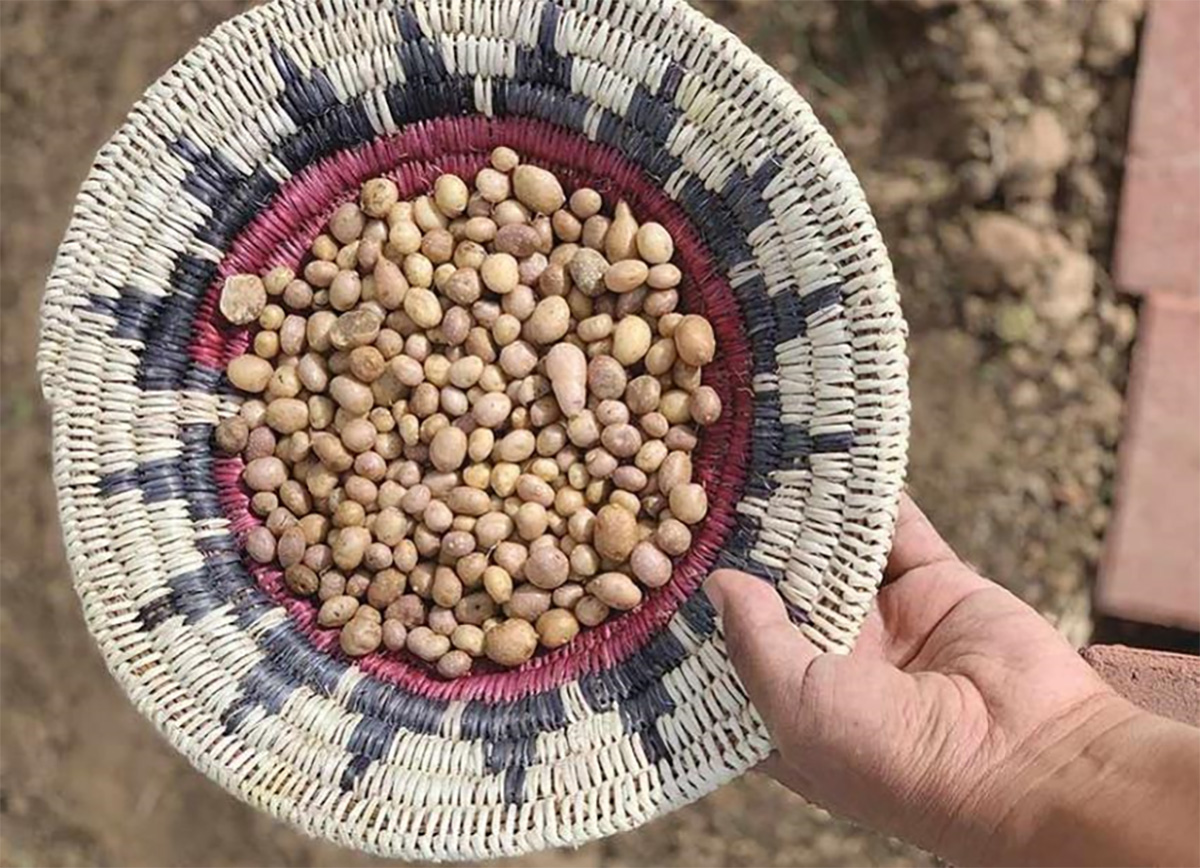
956	704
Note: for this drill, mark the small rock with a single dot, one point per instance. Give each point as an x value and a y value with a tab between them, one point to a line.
1040	146
1025	395
977	180
1082	340
1068	291
243	298
1007	251
1015	323
1112	34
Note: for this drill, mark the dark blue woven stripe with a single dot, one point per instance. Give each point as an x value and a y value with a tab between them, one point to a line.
134	312
233	212
739	559
419	55
354	770
640	714
635	674
155	612
766	172
158	480
699	614
197	471
263	686
799	443
672	78
517	99
746	202
390	705
542	63
652	114
551	13
290	651
789	315
165	359
304	98
212	174
521	718
819	299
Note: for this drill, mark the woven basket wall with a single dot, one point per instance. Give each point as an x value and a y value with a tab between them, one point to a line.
231	162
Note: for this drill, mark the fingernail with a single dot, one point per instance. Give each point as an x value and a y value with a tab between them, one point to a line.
715	594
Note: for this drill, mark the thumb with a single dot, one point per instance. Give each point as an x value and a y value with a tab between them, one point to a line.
769	654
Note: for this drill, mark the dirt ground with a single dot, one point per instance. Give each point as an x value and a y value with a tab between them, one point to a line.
989	138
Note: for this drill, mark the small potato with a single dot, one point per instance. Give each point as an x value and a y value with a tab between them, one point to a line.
673	537
243	298
448	449
615	590
394	635
547	568
626	275
337	611
556	628
475	608
537	189
585	202
527	602
566	596
689	503
249	373
450	194
694	340
660	357
468	638
454	664
423	307
360	637
548	323
386	587
650	566
498	584
408	609
447	588
301	580
675	470
620	242
429	646
510	643
500	273
265	474
606	378
441	621
631	340
654	243
568	370
705	405
590	611
231	435
615	533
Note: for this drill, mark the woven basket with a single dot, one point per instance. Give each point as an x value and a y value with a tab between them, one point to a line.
232	162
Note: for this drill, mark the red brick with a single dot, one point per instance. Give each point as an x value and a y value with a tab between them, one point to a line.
1151	567
1166	108
1158	236
1164	683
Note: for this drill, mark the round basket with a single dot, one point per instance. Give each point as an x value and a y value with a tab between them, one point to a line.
232	162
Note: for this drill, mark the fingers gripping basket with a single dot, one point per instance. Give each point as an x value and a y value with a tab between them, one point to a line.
232	162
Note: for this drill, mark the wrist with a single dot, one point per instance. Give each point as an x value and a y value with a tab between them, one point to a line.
1064	768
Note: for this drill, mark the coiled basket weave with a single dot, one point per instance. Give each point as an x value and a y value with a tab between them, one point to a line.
232	162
